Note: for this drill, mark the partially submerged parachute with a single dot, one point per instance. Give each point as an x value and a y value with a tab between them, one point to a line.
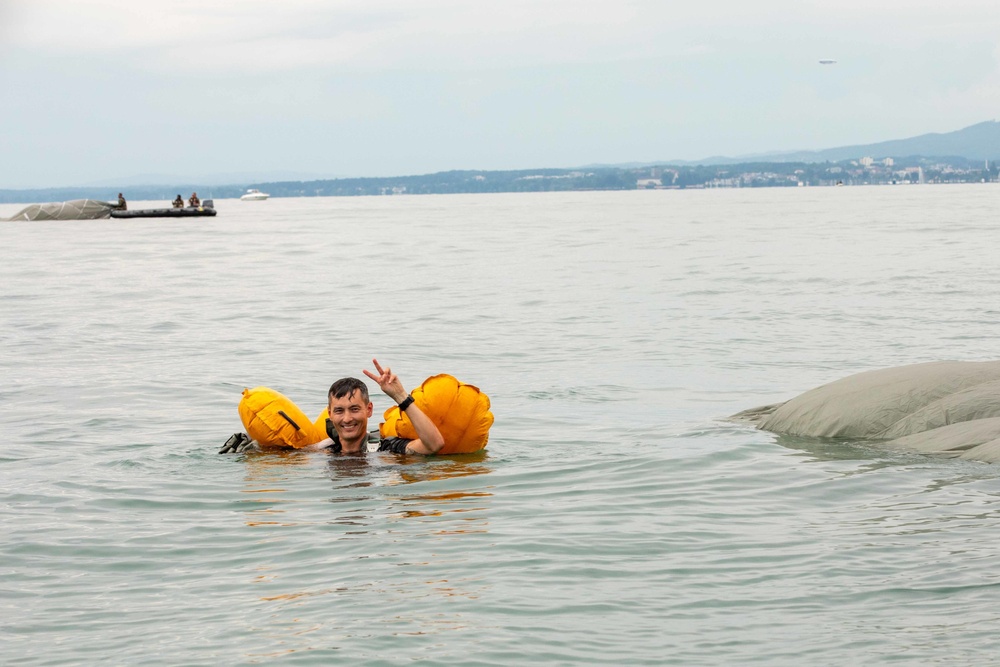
460	411
76	209
951	408
274	420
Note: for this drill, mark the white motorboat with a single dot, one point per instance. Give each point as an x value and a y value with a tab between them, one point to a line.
254	195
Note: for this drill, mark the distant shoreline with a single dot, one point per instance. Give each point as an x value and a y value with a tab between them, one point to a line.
861	171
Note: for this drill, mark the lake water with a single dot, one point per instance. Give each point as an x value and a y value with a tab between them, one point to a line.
615	517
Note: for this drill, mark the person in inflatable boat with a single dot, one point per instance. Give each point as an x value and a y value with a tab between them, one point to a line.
349	407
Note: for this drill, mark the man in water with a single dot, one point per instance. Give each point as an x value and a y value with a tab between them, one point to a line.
350	408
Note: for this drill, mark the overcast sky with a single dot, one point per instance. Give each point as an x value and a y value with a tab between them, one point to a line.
94	90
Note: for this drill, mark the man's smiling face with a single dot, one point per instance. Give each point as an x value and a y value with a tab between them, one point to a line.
349	415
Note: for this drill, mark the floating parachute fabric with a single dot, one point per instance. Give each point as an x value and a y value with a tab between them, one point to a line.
460	411
274	420
948	408
76	209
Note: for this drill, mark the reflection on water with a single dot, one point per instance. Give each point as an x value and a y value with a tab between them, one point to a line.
266	473
350	466
441	503
271	464
422	470
269	474
301	594
834	449
424	505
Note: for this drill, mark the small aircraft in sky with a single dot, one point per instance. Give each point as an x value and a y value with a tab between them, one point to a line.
827	61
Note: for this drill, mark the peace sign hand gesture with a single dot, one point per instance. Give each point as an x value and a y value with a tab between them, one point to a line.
387	382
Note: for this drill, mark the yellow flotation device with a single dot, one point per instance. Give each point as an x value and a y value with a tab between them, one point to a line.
274	420
460	411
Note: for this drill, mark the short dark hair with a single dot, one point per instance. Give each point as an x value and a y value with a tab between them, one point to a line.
347	387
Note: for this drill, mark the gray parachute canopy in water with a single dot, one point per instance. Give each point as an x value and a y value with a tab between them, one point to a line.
951	408
77	209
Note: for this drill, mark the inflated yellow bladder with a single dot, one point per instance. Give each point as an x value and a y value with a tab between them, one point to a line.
460	411
274	420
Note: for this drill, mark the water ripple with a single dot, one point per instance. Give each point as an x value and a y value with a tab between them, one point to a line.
614	519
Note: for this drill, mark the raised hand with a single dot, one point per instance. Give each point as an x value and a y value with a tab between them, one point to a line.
387	382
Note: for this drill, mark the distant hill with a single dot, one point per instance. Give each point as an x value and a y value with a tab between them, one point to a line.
976	142
964	149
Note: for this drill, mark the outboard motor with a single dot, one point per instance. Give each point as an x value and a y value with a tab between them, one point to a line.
208	203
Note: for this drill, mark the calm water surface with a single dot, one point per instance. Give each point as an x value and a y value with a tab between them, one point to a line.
615	517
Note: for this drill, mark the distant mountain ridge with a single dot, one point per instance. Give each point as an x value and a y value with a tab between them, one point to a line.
976	142
966	149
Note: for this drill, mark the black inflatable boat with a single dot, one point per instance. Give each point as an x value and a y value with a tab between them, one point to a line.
207	208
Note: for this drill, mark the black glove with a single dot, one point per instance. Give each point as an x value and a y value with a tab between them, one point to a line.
239	443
